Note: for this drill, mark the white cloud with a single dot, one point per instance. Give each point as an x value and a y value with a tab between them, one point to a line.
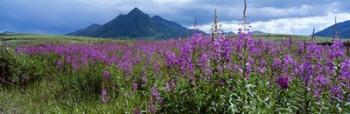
172	1
280	12
301	25
269	15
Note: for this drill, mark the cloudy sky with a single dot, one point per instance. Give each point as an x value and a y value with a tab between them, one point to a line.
273	16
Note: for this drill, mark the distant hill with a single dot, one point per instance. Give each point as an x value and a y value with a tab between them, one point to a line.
136	24
259	33
230	33
7	33
343	30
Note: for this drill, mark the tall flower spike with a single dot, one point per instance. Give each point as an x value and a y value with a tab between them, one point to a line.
156	94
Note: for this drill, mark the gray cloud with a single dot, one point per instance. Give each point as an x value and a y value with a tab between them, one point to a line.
62	16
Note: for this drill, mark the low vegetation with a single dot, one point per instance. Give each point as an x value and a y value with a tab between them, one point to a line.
195	75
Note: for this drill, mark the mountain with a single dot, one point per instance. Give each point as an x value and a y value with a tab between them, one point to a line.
7	33
259	33
230	33
343	30
136	24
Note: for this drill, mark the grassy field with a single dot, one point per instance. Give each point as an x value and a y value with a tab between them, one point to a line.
31	39
24	39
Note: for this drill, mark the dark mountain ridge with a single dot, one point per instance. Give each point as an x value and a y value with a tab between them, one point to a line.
343	30
136	24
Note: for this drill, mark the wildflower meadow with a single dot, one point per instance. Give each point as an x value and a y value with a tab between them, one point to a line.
194	75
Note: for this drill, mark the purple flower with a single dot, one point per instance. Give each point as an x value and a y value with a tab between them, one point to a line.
203	60
262	66
104	95
276	63
345	69
321	80
59	63
306	71
337	92
75	65
223	49
155	94
337	49
144	80
134	86
287	59
204	64
156	67
152	108
106	75
171	58
170	85
283	82
249	66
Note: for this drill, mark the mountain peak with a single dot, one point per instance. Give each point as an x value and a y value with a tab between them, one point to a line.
136	11
136	24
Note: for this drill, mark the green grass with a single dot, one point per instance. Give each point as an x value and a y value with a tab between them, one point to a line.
43	97
51	91
30	39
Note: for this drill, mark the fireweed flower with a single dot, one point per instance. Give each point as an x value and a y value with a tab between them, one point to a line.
75	65
317	93
134	86
152	108
203	62
321	80
155	94
262	66
287	59
127	62
156	67
104	95
313	52
170	85
248	67
186	50
337	49
329	67
171	58
59	63
144	81
255	51
237	68
337	92
283	82
106	75
345	69
306	71
276	63
222	49
288	65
